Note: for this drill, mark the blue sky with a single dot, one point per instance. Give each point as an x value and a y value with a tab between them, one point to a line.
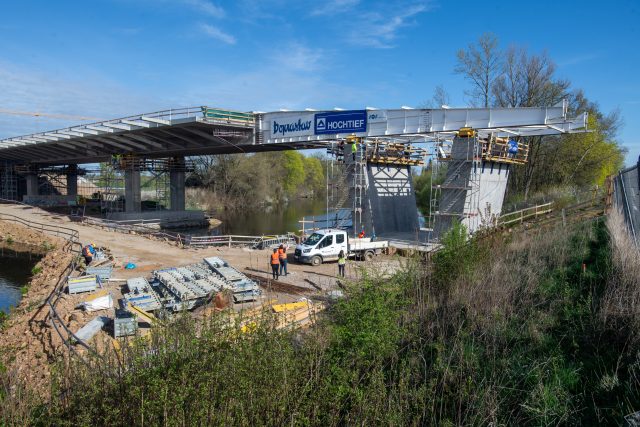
111	58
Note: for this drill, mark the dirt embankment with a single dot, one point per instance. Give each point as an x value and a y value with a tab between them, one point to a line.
28	344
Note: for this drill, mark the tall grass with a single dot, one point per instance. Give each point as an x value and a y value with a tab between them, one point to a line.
531	329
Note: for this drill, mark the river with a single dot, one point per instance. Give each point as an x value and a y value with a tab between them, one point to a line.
258	222
15	273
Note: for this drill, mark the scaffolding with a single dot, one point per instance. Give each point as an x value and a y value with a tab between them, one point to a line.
8	181
465	156
348	181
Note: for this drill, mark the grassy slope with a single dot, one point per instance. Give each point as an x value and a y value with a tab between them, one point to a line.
521	332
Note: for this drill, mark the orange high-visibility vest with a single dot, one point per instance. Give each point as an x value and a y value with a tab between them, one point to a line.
275	259
282	253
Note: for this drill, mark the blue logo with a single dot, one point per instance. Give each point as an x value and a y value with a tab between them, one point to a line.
353	121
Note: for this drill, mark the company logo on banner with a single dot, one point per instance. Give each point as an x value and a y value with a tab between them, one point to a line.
286	126
353	121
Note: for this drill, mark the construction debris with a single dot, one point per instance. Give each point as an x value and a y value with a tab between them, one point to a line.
89	330
102	300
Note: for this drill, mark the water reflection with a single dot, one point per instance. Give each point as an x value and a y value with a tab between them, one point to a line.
14	274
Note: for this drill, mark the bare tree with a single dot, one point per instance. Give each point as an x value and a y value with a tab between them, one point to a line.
440	96
528	81
481	64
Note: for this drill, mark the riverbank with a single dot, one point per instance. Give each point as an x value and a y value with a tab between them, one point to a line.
27	344
36	346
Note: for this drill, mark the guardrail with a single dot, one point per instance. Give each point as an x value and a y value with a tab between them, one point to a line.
625	191
229	240
138	227
73	246
522	214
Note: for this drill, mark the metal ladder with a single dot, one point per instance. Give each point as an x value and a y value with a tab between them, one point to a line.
359	188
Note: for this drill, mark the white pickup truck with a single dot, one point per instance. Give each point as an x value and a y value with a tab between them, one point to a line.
325	245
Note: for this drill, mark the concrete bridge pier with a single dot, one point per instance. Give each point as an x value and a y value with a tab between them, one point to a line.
32	184
132	192
176	184
72	180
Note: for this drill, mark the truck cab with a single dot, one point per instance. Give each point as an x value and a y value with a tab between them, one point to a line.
325	245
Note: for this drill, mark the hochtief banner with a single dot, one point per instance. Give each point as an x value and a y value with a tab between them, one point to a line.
353	121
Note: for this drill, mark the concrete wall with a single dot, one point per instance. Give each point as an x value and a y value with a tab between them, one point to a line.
493	187
392	200
473	204
166	219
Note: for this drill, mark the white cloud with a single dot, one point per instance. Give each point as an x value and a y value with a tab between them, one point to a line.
292	78
206	7
335	6
217	33
379	29
24	89
300	58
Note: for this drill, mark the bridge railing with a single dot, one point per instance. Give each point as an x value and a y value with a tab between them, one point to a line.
228	116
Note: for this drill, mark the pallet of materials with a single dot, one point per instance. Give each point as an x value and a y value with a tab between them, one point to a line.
103	272
77	285
141	294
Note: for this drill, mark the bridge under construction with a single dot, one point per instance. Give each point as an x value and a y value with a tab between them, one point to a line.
478	145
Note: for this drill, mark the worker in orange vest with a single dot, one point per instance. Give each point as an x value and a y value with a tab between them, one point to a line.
275	263
361	235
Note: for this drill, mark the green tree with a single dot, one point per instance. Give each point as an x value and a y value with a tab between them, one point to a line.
314	173
294	172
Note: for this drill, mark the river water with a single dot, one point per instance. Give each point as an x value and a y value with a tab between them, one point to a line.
273	220
15	272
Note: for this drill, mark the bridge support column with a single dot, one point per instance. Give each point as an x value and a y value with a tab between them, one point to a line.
32	184
72	180
132	193
176	184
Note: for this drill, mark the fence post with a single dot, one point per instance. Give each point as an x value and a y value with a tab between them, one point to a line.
229	240
564	219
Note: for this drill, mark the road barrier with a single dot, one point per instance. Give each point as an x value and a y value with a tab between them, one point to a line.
626	186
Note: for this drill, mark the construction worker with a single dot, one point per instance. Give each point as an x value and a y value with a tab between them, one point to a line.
342	261
87	252
274	261
361	235
282	257
354	150
341	151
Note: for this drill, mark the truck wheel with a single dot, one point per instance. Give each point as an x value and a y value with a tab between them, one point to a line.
316	260
368	256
